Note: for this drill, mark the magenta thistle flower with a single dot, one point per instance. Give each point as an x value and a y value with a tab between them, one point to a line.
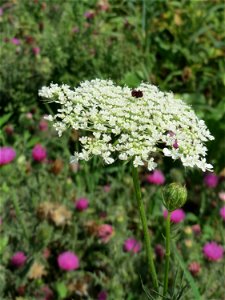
159	251
176	216
105	232
89	15
18	259
212	251
39	153
15	41
156	177
196	229
222	212
7	154
102	295
211	180
81	204
68	261
36	50
43	125
131	245
194	268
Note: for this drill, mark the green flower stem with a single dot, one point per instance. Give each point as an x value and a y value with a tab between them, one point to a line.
166	273
147	236
19	216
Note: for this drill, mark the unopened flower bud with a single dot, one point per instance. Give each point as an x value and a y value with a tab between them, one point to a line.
174	196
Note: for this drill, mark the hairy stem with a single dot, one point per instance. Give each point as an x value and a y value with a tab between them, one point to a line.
147	236
166	273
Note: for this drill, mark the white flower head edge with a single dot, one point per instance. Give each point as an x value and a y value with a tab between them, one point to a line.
125	124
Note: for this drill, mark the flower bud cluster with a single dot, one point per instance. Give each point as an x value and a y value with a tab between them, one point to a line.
122	124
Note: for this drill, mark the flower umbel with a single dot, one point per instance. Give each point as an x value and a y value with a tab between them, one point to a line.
129	125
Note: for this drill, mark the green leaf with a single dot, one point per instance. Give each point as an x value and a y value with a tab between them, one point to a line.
61	290
5	119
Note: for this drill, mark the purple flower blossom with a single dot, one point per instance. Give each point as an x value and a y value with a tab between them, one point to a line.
39	153
222	212
102	295
156	177
18	259
7	154
43	125
131	245
81	204
68	261
212	251
89	14
176	216
36	50
15	41
211	180
105	232
1	11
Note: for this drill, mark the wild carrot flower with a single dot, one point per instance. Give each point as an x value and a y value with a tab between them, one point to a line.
156	177
211	180
212	251
7	154
222	213
81	204
176	216
39	153
131	245
18	259
124	125
68	261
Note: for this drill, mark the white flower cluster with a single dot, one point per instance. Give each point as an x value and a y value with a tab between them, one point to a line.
125	124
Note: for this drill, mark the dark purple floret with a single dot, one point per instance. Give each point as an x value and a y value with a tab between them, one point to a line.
137	93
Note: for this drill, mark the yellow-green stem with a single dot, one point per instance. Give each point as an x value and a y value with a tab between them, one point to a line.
166	273
146	232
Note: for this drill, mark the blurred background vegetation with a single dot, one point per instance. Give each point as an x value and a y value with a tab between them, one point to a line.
177	45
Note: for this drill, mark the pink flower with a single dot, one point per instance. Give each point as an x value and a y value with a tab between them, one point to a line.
89	14
102	295
222	196
212	251
196	229
81	204
176	216
131	245
36	50
156	177
7	154
43	125
105	232
211	180
194	268
15	41
107	188
159	251
39	153
175	144
222	212
68	261
18	259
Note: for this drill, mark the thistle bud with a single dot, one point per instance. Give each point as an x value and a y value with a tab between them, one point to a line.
174	196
